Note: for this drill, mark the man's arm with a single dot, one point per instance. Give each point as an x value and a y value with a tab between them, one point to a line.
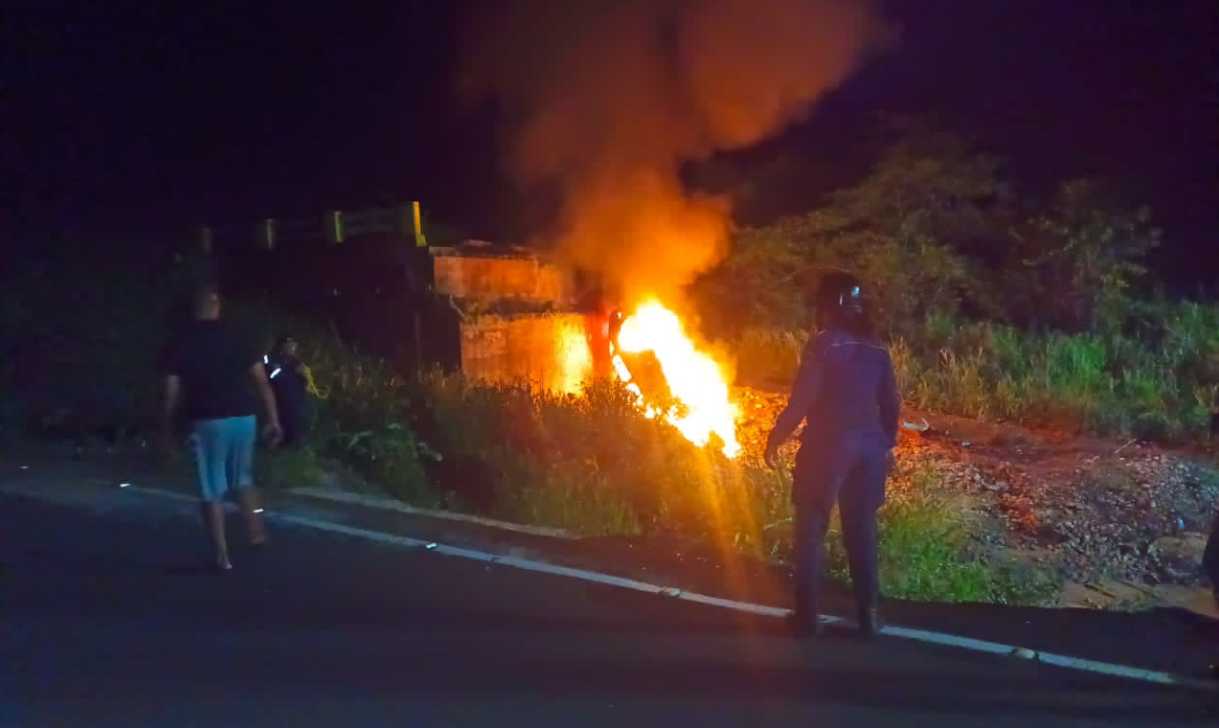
804	393
259	374
890	402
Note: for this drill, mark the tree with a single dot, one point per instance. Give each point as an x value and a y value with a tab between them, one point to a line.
1077	261
919	229
760	283
935	228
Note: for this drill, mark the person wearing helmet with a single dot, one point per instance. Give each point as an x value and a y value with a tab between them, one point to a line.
846	392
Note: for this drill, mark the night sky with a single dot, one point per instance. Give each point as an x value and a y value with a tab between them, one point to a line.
135	122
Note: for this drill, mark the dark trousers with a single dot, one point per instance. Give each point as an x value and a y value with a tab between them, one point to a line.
852	476
1210	557
292	419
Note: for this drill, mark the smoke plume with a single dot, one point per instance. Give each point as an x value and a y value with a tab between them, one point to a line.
603	101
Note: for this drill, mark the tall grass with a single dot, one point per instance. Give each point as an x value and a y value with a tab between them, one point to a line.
768	356
1158	379
360	413
594	465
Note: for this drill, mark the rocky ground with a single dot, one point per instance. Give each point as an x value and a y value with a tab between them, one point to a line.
1123	524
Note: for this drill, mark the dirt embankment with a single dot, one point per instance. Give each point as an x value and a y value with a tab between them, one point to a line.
1122	523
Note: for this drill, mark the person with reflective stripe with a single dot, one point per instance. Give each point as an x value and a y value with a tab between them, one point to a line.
286	373
846	392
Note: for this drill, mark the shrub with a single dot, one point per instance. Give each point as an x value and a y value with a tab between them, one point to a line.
1157	381
554	456
999	307
595	465
592	464
361	410
768	356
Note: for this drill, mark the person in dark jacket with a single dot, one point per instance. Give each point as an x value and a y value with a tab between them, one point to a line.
846	391
1210	565
286	372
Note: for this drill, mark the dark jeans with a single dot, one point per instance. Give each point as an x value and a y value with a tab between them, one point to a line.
292	418
854	478
1210	557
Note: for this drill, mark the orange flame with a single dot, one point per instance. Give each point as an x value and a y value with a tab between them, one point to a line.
694	378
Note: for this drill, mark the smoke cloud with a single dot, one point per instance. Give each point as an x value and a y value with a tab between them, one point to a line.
603	101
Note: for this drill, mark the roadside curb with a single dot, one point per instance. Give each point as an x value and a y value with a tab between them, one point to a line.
675	592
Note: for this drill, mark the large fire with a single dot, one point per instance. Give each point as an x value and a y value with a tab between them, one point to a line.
694	378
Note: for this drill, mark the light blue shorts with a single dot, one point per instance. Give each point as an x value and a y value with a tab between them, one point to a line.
224	454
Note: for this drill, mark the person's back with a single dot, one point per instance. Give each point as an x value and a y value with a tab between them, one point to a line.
210	368
213	358
846	391
857	401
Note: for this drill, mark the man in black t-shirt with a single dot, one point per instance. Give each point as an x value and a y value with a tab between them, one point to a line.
212	376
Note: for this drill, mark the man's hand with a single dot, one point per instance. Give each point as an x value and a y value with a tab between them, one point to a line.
890	463
273	434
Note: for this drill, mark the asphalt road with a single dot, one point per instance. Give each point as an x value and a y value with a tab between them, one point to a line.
106	622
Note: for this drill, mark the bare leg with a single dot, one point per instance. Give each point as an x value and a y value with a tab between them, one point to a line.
242	476
213	520
251	508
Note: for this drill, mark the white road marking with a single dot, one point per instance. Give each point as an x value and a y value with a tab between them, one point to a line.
918	635
393	505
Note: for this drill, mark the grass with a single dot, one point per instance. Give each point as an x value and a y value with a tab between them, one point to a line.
595	466
928	550
768	356
1157	380
359	414
591	464
298	467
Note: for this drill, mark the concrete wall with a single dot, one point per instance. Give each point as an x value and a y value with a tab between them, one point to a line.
551	350
469	276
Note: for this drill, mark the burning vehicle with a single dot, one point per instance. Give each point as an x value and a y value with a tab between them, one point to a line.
659	362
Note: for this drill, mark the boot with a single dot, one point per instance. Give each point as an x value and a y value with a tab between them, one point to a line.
870	622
